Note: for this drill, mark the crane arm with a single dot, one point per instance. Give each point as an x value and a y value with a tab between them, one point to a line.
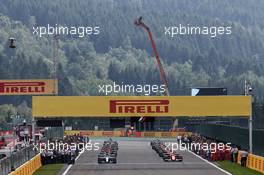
163	78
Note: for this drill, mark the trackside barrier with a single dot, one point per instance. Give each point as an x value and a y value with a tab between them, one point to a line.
163	134
16	159
29	167
91	133
253	162
121	133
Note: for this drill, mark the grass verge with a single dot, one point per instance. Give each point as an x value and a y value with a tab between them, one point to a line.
236	169
51	169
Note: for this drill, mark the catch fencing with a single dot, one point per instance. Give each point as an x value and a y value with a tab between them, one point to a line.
16	159
29	167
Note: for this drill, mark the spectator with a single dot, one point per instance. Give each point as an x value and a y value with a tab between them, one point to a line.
235	154
231	153
244	155
179	138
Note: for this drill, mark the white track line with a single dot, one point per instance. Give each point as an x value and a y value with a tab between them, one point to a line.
69	167
158	163
210	163
224	171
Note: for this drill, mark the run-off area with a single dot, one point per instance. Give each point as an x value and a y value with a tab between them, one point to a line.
137	157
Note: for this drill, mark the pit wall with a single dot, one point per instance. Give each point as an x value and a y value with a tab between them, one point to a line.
253	162
29	167
90	133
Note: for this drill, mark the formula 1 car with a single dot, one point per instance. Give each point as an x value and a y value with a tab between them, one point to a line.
107	158
108	153
164	152
172	157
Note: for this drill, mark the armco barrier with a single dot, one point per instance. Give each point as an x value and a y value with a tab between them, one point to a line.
253	162
29	167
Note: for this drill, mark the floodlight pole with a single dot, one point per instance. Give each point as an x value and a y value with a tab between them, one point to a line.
250	132
55	59
33	130
248	90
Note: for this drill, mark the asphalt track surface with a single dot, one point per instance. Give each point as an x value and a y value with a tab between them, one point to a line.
136	157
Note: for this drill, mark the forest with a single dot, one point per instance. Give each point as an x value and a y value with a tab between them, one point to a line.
122	53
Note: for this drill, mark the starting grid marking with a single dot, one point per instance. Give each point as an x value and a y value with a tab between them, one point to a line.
203	164
158	163
210	163
69	167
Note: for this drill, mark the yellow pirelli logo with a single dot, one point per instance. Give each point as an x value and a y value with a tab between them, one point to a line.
127	106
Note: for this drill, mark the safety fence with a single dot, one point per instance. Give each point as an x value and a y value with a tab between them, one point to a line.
29	167
122	133
253	162
16	159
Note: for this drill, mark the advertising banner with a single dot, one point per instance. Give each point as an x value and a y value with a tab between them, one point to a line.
29	87
129	106
90	133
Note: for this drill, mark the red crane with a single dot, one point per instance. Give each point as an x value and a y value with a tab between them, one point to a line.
163	78
139	22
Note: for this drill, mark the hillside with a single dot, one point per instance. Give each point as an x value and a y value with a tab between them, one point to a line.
122	53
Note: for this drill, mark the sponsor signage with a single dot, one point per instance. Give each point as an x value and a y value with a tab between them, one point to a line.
139	106
87	133
149	134
28	87
129	106
92	133
120	133
166	134
108	133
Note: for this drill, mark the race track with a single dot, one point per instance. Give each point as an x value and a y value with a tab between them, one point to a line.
137	158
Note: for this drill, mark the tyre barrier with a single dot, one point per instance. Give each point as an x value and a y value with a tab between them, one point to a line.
29	167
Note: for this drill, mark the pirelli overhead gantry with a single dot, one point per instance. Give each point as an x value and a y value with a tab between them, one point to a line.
136	106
